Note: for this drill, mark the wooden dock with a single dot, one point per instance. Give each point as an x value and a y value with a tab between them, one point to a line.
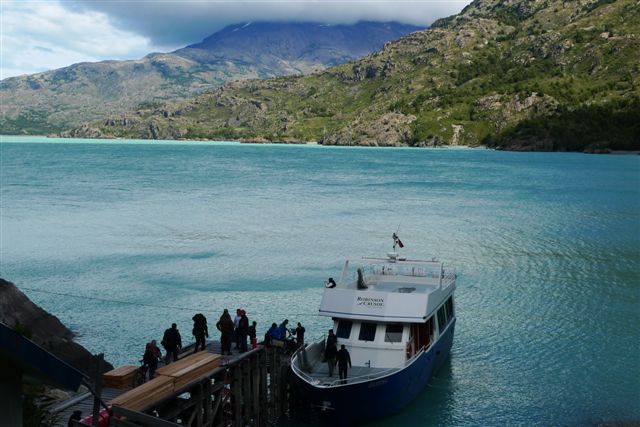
243	389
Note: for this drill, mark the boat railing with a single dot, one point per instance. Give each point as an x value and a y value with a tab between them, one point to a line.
444	277
402	270
354	380
379	374
304	357
448	277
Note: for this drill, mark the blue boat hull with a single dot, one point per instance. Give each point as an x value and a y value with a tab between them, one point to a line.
366	401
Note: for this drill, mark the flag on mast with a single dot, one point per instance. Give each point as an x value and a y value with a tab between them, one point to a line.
397	241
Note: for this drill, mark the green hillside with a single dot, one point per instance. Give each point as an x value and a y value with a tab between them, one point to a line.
56	100
515	74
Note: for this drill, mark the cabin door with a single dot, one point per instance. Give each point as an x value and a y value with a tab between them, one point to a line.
412	344
423	334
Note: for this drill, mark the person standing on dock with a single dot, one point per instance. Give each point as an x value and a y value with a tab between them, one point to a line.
272	334
300	335
344	361
151	356
172	343
236	324
282	329
331	351
243	330
252	335
200	330
225	326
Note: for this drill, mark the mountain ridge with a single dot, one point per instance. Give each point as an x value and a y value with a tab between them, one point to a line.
59	99
509	74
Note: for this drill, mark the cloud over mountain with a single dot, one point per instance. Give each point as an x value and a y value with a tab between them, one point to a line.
44	35
179	22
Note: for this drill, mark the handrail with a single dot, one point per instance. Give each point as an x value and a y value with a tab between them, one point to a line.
393	269
361	378
448	278
317	340
444	277
381	374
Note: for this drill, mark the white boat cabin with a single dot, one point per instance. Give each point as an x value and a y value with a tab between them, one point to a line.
385	310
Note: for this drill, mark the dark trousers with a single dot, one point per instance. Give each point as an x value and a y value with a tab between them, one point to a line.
199	341
225	342
236	338
342	371
172	355
153	365
332	365
243	341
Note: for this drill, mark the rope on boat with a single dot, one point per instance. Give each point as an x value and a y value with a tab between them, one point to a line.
142	304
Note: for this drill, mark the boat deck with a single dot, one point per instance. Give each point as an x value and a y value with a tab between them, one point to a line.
320	373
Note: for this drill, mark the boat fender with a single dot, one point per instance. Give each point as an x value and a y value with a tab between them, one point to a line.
408	350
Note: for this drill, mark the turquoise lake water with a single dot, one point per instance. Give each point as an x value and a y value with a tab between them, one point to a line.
127	237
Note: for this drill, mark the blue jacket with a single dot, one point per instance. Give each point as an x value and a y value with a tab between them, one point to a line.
274	332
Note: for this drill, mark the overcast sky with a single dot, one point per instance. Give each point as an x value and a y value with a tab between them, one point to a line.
46	34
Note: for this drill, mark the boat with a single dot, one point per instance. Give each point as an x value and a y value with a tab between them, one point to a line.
396	317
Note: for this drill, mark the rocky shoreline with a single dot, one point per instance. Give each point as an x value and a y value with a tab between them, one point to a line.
20	313
521	146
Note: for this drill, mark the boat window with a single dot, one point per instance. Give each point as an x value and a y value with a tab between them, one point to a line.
344	329
393	333
367	332
442	319
449	307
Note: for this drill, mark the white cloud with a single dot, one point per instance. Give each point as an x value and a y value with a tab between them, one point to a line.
38	36
46	34
188	21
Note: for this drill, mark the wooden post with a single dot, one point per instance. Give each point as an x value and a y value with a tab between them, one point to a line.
263	358
284	395
97	388
255	389
236	388
218	416
200	399
275	378
207	403
246	391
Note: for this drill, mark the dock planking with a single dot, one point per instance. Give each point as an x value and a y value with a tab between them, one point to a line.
214	386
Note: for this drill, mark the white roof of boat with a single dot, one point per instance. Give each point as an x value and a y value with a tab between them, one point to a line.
391	289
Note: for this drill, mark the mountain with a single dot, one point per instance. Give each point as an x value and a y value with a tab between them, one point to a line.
66	97
513	74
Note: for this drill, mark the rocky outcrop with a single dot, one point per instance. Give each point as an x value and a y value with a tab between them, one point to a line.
388	130
18	312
